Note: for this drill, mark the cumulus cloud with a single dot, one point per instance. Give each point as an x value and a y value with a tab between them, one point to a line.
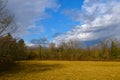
99	19
27	12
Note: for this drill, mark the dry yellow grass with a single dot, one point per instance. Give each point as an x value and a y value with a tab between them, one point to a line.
63	70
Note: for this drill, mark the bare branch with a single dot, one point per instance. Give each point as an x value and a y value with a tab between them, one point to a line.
7	23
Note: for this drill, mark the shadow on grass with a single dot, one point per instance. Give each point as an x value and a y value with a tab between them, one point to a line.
29	68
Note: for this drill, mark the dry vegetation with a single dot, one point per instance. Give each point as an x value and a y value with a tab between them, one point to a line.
63	70
14	50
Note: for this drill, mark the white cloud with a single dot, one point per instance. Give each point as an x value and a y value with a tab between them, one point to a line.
27	12
100	19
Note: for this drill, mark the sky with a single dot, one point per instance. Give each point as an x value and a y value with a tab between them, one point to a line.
62	20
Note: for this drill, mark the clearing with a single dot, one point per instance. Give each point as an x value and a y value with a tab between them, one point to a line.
63	70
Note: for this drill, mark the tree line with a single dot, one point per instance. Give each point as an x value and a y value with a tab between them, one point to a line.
12	50
74	50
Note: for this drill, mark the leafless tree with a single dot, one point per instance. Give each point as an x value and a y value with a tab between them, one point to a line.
7	23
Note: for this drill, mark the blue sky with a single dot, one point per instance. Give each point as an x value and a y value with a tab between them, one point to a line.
86	20
57	22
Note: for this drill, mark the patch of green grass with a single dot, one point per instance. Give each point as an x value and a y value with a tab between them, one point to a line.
63	70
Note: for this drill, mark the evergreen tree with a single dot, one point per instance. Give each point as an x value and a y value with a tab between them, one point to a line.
21	50
114	50
7	48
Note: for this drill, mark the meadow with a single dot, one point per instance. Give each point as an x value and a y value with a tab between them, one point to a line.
63	70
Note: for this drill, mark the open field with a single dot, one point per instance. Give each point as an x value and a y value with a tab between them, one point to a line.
63	70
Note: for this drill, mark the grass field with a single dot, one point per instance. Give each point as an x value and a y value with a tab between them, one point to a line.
63	70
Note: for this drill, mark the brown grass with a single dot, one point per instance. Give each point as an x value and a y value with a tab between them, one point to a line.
63	70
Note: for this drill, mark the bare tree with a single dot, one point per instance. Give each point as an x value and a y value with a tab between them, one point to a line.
7	24
41	41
